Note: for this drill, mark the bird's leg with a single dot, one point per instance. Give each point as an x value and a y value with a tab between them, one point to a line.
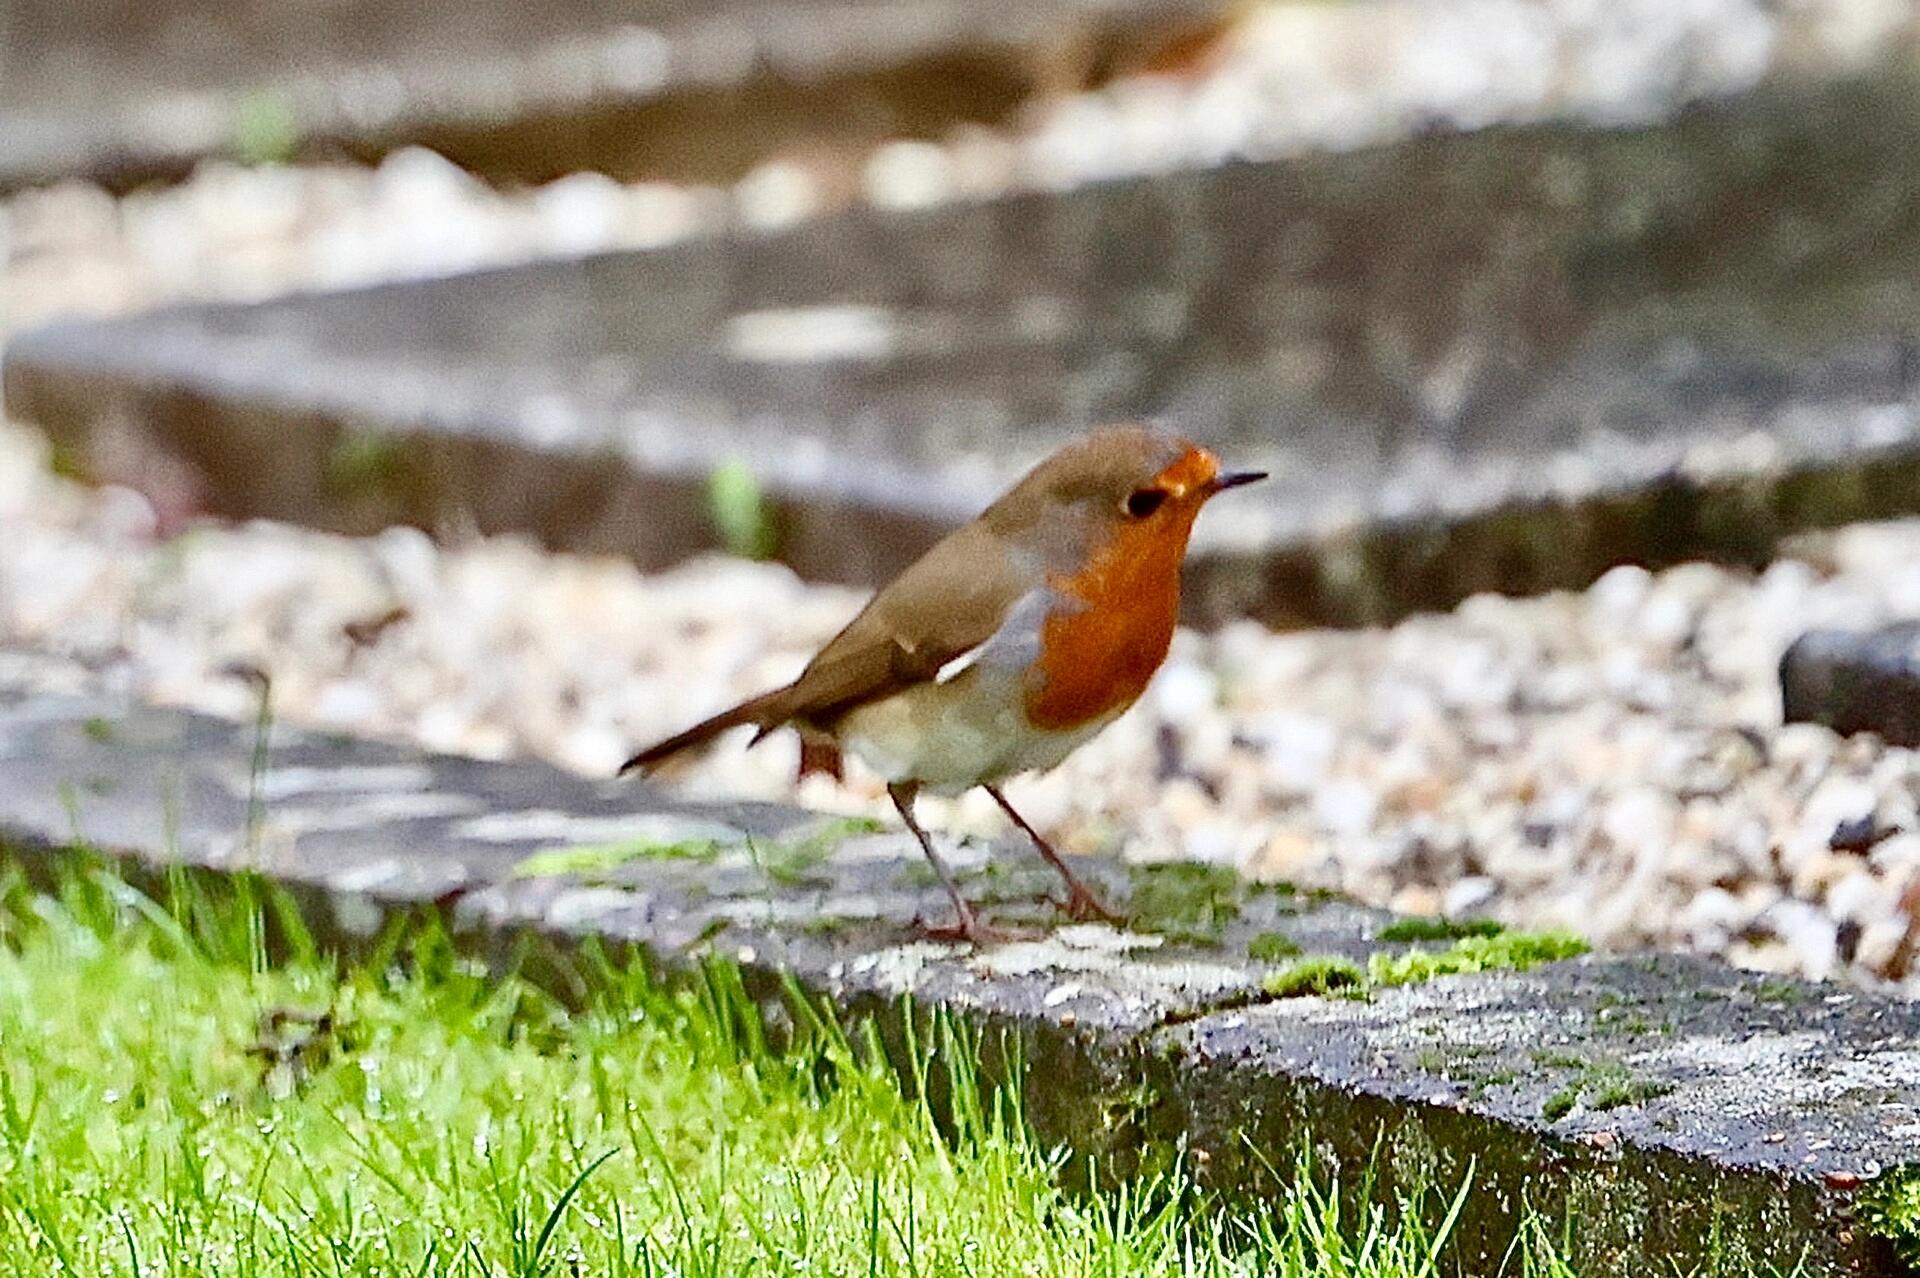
1081	904
967	925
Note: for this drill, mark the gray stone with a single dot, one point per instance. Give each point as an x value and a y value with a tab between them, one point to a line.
1495	361
1682	1110
1856	681
124	93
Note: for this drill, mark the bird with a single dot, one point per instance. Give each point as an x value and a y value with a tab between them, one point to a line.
1007	645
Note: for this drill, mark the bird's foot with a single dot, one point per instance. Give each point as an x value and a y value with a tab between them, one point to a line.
970	928
1082	906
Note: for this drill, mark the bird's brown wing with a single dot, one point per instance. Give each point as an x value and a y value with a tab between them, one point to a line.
948	602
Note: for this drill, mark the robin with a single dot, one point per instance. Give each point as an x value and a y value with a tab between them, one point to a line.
1007	645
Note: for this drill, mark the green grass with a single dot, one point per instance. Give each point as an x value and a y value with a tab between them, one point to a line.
740	512
175	1102
1891	1209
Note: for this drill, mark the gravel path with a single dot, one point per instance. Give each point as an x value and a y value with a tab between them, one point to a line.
1611	761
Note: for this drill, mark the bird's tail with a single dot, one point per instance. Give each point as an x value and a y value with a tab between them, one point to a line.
765	710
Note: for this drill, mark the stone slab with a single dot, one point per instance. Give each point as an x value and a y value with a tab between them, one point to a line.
126	93
1504	360
1680	1108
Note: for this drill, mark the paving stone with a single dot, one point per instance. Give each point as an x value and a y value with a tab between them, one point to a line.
1856	681
1496	361
1682	1110
125	93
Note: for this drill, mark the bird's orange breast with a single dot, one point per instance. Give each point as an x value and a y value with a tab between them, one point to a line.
1098	652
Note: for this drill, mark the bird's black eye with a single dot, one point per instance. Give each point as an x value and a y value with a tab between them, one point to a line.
1144	501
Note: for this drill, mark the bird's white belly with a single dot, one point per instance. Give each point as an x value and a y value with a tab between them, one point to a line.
952	736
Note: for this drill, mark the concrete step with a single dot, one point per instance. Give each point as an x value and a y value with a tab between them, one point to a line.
1503	360
1687	1114
125	94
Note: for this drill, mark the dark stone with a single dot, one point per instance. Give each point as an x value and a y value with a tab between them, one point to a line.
124	94
1684	1112
1633	365
1856	681
1859	835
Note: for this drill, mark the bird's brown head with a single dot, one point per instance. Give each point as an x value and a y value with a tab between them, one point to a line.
1125	489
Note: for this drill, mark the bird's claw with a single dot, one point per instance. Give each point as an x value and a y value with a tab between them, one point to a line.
970	929
1082	906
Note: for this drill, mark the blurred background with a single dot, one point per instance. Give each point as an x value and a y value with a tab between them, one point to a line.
533	379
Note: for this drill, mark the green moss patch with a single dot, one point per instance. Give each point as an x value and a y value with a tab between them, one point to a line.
1186	902
597	859
1319	976
1271	947
792	862
1438	929
1597	1084
1561	1103
1507	951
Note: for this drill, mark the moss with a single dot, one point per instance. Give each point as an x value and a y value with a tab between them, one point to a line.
916	874
597	859
1890	1206
1319	975
1438	929
1787	992
1628	1022
1288	891
1599	1085
1561	1103
98	729
791	862
1515	951
824	925
1509	951
1559	1060
1271	947
1184	901
1465	1063
1608	1092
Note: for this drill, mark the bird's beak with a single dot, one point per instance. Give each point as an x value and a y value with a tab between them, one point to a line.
1235	479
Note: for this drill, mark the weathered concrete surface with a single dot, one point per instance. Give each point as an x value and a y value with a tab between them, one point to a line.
1856	681
124	93
1670	1102
1498	361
